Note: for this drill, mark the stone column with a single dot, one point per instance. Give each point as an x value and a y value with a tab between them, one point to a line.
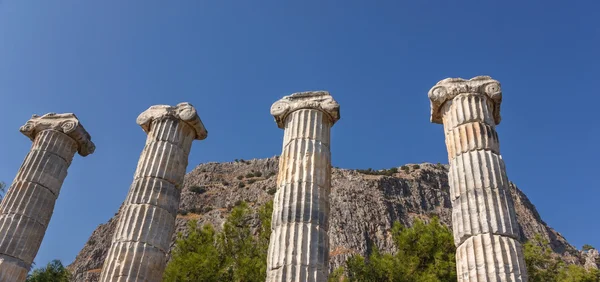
27	207
485	228
299	246
147	219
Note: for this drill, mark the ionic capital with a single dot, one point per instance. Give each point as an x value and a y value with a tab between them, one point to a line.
449	88
66	123
183	111
318	100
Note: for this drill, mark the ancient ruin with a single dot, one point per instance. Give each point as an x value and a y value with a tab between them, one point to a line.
147	219
27	207
485	228
299	245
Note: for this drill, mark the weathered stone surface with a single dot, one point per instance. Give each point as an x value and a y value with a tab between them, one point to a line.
315	100
299	245
476	90
484	223
363	209
27	208
592	258
146	222
488	257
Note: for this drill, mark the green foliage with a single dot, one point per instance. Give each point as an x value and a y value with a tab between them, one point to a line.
370	171
587	247
2	189
53	272
241	185
240	177
225	183
425	253
338	275
416	166
258	174
198	189
405	168
233	254
272	173
272	191
545	266
251	181
249	175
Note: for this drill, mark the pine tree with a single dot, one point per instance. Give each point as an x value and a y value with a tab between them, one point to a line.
54	271
425	253
234	254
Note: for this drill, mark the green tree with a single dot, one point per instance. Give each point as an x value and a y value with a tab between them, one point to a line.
234	254
543	265
425	253
54	271
195	257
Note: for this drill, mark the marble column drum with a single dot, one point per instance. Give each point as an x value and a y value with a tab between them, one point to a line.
28	205
484	224
146	221
299	245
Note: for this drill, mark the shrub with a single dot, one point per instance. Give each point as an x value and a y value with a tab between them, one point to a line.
249	175
195	210
272	191
425	253
232	254
258	174
251	181
240	177
270	174
587	247
198	189
241	185
54	271
370	171
405	168
225	183
182	212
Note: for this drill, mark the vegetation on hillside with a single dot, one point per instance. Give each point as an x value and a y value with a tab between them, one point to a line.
233	254
54	271
545	266
425	253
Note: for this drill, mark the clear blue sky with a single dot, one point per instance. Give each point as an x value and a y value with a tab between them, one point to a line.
107	61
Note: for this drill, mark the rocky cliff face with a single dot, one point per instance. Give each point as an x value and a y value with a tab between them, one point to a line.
363	208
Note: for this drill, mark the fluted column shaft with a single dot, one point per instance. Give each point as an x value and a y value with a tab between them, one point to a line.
484	223
147	219
299	245
27	208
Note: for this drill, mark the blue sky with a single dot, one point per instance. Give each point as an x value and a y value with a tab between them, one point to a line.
107	61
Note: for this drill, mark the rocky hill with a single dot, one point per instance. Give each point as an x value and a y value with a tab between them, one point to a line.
363	208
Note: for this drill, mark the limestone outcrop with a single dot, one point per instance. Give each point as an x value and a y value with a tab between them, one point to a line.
363	208
299	245
484	223
146	221
27	208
